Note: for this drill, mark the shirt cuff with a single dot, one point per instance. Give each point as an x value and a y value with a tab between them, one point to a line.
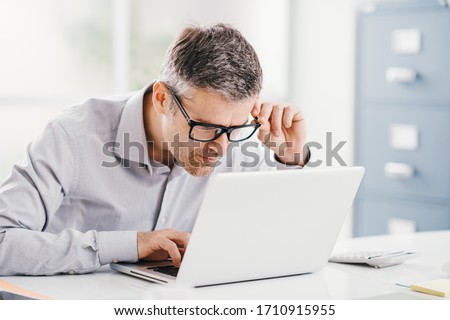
282	166
116	246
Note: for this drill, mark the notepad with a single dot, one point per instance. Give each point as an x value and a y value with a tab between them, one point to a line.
438	287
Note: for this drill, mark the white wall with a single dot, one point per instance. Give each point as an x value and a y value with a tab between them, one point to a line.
323	72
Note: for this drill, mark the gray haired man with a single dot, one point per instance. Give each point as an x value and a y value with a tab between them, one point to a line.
122	179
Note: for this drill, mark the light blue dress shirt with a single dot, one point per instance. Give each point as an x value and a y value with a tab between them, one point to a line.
86	188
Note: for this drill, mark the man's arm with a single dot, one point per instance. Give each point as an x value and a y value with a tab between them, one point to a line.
29	199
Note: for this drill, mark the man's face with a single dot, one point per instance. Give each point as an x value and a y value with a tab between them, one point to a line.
200	158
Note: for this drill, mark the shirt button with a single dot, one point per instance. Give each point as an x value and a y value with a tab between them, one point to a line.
164	219
72	272
115	261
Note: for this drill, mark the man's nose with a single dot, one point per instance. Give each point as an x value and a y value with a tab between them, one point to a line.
224	142
219	146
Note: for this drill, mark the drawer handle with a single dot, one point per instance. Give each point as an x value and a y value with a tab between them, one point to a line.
398	170
401	75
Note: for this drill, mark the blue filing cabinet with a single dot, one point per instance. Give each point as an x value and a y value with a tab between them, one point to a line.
403	115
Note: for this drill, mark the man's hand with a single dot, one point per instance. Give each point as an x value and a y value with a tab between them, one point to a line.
282	130
162	244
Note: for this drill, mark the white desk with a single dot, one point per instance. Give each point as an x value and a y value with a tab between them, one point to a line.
336	281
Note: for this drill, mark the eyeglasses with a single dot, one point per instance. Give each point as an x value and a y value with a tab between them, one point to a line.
206	132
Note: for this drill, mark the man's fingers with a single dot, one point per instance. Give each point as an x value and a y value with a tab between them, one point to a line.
178	244
275	120
264	116
172	250
274	117
265	111
180	238
288	116
256	109
168	240
280	123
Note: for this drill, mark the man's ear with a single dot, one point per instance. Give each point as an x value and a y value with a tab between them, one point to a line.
160	98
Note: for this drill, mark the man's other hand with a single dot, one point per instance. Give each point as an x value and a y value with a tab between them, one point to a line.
162	244
282	130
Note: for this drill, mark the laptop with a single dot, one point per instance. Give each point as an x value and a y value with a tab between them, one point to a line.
260	225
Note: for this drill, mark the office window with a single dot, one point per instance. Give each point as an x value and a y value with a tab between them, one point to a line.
54	48
61	48
55	53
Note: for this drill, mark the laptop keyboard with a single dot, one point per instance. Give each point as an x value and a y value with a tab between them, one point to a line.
170	270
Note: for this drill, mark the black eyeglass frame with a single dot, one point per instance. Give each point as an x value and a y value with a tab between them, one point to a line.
223	129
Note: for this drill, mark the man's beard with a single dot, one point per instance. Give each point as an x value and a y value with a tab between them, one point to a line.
193	163
189	155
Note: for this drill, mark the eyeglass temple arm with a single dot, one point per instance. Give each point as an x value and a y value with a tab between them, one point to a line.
177	102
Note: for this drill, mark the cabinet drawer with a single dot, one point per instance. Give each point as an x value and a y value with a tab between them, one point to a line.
381	32
429	161
373	217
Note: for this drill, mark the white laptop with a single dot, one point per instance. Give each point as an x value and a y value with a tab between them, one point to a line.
259	225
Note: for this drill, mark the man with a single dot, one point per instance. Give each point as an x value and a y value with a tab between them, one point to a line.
122	179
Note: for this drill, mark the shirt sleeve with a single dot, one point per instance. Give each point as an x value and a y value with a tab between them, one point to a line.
29	199
254	156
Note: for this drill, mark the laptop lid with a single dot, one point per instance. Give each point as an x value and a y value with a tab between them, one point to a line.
268	224
258	225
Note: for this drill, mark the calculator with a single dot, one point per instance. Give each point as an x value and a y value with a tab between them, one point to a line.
377	259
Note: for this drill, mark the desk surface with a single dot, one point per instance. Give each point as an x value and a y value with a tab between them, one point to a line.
335	281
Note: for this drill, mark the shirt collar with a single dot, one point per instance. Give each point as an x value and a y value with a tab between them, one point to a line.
131	140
